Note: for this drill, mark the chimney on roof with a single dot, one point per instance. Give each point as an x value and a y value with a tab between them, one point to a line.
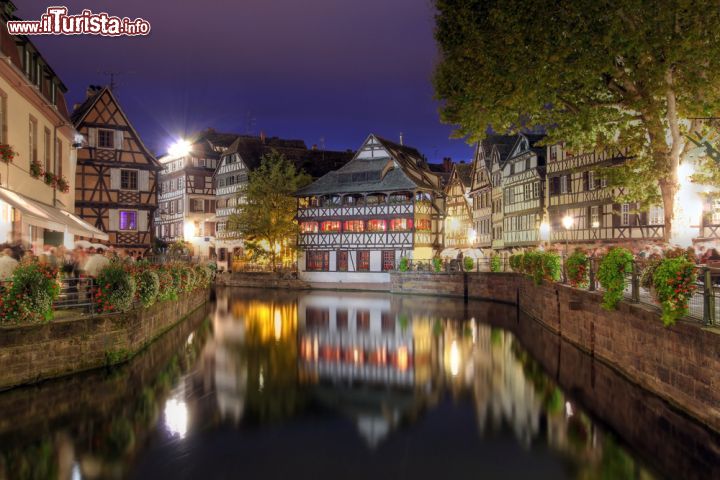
401	138
447	164
92	90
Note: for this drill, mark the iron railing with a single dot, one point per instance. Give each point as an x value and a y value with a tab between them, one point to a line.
76	294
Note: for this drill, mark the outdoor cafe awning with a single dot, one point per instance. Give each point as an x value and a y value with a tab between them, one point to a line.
51	218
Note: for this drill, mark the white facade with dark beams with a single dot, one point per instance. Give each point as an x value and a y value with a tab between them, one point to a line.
357	222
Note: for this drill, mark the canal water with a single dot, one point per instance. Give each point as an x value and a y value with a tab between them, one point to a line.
273	384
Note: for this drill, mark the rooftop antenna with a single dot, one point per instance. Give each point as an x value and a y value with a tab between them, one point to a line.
113	84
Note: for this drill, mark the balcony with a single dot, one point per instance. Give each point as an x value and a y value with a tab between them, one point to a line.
346	211
228	190
225	212
344	240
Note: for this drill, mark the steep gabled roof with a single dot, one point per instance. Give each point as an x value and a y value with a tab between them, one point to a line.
84	108
401	168
527	142
464	173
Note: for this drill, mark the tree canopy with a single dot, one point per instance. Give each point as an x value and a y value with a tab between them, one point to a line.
265	216
633	76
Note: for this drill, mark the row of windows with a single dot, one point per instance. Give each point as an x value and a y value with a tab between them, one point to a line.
232	179
33	140
584	181
374	225
320	261
522	193
316	317
356	200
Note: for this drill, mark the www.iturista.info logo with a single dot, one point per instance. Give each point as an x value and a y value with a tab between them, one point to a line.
56	21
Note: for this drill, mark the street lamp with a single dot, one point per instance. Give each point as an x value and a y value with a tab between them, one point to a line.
180	148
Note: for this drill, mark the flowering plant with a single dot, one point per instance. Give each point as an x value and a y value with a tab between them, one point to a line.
7	154
115	289
674	280
203	276
49	178
576	267
166	285
61	184
148	286
29	295
36	170
611	274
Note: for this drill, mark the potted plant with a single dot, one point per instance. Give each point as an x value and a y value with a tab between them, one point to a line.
62	184
7	154
49	179
36	170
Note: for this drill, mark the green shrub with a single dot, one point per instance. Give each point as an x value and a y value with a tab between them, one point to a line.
576	267
115	289
495	263
203	276
437	265
611	275
648	272
29	295
468	263
404	264
551	266
148	286
674	282
167	290
516	262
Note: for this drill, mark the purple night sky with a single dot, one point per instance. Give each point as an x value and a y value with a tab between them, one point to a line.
332	69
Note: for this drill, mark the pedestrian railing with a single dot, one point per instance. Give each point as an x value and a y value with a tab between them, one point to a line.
75	294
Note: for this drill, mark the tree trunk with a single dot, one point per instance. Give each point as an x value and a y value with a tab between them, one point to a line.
668	190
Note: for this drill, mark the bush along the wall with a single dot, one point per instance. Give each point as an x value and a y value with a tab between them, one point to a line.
495	263
551	266
29	295
576	268
437	265
468	264
674	281
611	275
404	264
167	290
148	286
115	289
516	262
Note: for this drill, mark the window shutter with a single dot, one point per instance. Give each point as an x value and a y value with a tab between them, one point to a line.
114	179
92	137
142	221
569	183
119	137
113	220
144	181
586	181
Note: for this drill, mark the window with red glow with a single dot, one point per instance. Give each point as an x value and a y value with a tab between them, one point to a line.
388	260
309	227
401	224
318	261
362	321
376	225
423	225
354	226
342	261
332	226
317	317
363	261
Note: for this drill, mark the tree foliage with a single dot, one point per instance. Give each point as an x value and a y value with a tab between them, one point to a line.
266	210
623	76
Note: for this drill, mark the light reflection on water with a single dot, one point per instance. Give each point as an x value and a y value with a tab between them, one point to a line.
414	378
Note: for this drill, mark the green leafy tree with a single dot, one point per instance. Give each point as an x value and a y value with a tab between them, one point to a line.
265	216
634	76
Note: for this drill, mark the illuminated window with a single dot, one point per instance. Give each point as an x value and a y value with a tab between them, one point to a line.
342	261
656	215
376	225
401	224
388	260
317	261
363	260
354	226
309	227
423	225
128	220
330	226
105	138
595	216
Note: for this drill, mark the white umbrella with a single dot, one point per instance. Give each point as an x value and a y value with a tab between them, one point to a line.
83	244
449	253
475	253
98	245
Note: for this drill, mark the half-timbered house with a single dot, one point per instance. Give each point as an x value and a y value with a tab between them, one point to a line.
523	177
187	193
577	189
459	231
357	222
116	175
486	189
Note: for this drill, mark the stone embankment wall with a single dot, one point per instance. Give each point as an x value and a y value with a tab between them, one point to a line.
260	280
30	353
681	363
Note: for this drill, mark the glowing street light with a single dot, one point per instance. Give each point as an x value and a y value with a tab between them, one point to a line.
180	148
567	222
544	231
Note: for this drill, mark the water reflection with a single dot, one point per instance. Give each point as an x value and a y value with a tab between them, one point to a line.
351	385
